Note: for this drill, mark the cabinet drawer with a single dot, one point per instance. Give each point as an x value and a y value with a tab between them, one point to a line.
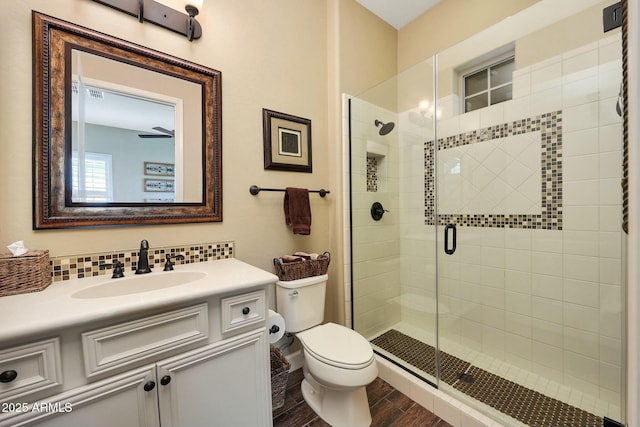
33	367
243	310
126	343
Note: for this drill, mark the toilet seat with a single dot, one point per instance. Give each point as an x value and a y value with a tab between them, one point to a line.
337	346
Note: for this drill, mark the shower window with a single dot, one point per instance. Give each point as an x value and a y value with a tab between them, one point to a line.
488	85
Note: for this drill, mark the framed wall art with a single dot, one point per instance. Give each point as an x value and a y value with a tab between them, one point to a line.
163	169
159	185
287	142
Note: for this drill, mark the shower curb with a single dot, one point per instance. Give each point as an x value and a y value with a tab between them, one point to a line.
444	406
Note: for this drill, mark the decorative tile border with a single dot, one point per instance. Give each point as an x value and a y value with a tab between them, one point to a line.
99	264
550	218
372	174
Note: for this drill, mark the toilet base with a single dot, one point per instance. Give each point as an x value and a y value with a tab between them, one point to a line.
340	408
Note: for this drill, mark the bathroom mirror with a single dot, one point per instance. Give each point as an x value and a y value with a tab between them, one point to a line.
122	134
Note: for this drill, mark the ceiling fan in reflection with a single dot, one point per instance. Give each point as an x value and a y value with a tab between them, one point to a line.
165	133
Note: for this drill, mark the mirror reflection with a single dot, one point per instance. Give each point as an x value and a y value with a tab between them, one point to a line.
124	144
123	134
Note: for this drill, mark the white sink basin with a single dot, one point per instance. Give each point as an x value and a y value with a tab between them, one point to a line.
137	284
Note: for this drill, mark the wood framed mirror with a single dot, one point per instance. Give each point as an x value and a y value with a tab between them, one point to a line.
123	135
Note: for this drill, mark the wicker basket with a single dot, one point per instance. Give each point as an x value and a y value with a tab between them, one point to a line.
25	273
279	377
300	269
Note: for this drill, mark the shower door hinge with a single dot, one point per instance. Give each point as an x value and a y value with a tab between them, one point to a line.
608	422
612	16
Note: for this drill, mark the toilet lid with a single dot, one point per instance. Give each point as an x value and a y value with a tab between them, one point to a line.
337	345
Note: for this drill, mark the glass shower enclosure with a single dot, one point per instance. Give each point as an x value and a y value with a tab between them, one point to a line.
486	246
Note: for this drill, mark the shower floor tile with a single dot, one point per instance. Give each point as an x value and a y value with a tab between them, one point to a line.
515	400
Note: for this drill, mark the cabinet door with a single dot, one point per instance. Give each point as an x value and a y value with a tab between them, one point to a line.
225	384
119	401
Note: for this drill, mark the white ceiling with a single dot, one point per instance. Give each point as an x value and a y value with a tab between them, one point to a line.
398	13
118	110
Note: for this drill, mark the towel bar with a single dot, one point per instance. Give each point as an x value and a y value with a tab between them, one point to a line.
254	189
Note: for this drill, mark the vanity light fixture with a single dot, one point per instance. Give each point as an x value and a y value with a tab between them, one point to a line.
161	15
193	8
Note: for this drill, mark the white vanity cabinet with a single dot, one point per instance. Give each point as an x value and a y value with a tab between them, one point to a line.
217	385
117	401
202	362
30	368
221	384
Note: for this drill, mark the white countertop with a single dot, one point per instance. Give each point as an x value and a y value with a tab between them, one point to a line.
56	307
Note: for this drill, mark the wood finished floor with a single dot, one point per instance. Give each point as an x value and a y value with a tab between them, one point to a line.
389	408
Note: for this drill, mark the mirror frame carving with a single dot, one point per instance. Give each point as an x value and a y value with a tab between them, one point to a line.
53	40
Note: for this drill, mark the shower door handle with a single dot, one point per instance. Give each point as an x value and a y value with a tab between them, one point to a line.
450	250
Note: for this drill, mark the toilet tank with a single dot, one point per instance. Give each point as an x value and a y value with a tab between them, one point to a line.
301	302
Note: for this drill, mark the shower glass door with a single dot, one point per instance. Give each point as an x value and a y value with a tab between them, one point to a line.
394	256
495	269
527	171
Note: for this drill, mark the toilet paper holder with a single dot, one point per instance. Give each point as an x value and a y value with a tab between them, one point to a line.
275	326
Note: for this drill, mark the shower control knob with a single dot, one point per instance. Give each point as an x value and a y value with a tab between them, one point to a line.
149	385
8	376
377	211
246	310
165	380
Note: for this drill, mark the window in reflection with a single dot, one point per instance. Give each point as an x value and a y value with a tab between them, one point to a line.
92	179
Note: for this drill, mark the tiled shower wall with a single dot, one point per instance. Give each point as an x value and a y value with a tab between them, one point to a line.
376	244
545	299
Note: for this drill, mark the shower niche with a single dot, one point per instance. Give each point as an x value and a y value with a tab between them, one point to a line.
377	171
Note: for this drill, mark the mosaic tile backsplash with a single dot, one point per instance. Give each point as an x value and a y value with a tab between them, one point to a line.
99	264
520	169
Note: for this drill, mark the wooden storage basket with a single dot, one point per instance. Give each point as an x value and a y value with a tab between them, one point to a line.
300	269
279	377
25	273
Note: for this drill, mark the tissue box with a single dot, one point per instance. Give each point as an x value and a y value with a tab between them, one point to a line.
26	273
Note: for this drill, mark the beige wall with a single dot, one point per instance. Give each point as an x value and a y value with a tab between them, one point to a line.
271	55
571	33
285	55
368	48
448	23
533	38
361	53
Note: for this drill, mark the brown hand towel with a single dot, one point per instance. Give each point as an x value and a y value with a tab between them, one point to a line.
297	211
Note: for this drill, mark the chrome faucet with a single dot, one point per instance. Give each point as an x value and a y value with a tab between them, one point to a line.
143	258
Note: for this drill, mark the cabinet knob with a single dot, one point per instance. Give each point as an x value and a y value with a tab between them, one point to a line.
246	310
149	385
165	380
8	376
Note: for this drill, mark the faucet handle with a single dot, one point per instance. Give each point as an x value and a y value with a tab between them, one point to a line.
118	269
168	265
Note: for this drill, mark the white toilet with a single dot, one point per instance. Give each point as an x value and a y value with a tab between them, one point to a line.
337	362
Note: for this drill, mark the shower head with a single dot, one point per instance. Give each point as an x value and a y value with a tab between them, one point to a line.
386	128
